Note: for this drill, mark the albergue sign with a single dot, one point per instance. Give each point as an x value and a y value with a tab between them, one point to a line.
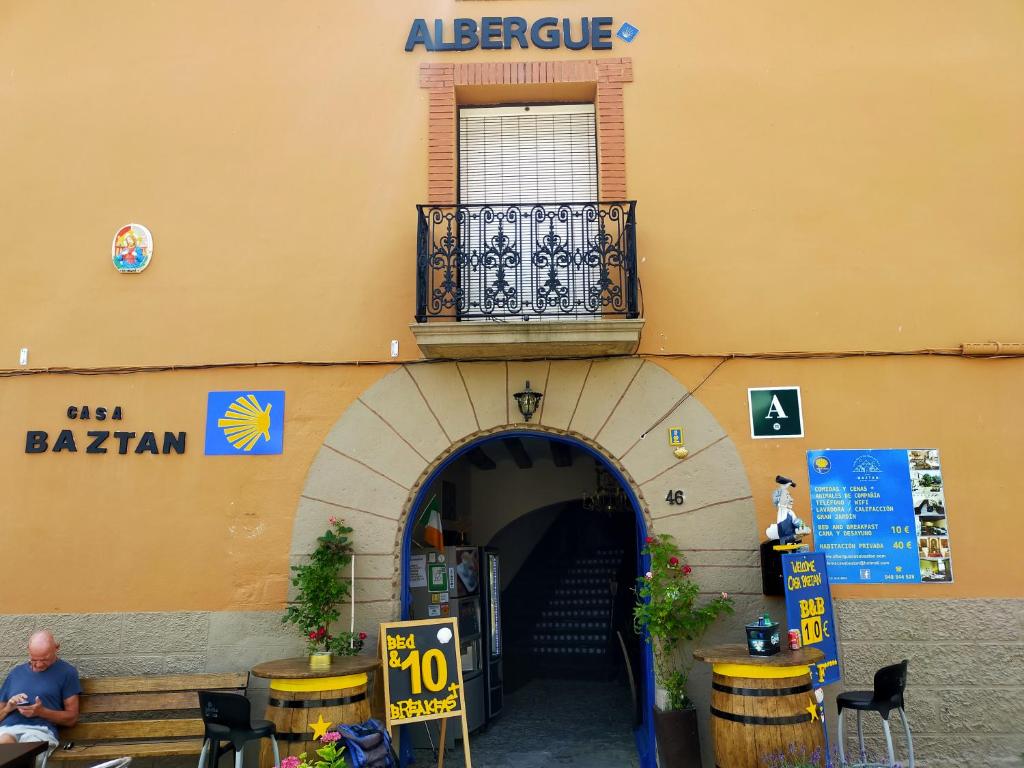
496	32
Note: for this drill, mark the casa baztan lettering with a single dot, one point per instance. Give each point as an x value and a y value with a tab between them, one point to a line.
496	32
102	440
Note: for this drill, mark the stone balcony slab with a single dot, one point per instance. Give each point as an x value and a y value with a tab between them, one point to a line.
518	339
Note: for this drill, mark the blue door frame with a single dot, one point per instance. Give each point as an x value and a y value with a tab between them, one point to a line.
644	734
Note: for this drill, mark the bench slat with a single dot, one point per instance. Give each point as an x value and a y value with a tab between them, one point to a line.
109	751
150	683
133	729
141	702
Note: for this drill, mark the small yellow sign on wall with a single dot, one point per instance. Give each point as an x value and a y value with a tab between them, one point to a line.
675	435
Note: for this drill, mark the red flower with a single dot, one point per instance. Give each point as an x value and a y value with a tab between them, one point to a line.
321	632
687	569
362	635
649	540
312	635
673	561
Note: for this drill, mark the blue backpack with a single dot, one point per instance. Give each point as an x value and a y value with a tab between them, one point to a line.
367	745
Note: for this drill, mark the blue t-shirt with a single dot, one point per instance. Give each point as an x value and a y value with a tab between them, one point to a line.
57	682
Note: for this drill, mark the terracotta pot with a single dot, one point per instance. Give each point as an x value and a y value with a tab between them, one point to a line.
678	739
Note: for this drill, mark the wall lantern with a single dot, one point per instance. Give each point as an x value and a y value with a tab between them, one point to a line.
527	400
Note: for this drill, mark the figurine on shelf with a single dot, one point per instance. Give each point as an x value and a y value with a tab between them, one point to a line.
787	526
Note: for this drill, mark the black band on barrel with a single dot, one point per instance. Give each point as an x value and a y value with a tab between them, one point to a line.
293	736
755	720
312	703
761	691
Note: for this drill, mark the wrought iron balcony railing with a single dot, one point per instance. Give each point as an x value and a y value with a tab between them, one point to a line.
528	261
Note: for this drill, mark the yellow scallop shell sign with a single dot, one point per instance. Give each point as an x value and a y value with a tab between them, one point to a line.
244	423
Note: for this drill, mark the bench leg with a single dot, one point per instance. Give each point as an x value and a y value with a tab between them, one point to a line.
238	758
203	753
277	755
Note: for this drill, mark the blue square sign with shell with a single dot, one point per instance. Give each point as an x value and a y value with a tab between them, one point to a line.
245	423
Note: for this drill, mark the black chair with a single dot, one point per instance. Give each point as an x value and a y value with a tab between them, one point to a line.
227	717
887	695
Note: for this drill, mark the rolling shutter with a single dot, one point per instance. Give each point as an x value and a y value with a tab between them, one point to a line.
537	154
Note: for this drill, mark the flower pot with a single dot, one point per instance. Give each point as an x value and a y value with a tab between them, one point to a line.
320	660
678	739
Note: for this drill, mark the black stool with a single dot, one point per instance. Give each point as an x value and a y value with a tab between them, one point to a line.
887	696
228	717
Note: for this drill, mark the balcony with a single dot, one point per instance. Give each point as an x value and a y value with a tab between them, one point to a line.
527	280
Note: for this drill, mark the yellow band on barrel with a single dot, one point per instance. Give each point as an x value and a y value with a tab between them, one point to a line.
753	670
319	683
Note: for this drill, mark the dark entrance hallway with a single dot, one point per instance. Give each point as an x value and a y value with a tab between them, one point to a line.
566	535
571	602
552	722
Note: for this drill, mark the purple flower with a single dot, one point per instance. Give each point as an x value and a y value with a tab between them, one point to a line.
290	762
328	738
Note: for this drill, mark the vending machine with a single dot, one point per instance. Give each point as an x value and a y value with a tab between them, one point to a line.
464	582
491	595
465	589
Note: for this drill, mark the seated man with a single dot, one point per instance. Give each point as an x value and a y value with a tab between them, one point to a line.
39	696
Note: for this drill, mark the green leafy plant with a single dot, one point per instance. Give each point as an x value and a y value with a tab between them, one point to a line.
329	754
320	591
668	615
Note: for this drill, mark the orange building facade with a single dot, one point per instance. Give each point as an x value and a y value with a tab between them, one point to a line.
825	198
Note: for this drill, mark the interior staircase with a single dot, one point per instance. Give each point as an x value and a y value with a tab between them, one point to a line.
562	606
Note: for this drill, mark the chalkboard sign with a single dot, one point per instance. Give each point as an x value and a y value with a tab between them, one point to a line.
423	674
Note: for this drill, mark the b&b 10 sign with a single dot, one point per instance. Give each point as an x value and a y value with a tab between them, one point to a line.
422	670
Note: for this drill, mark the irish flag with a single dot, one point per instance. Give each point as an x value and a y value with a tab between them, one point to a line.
431	522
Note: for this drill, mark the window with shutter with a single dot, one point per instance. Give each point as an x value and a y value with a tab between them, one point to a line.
537	154
527	200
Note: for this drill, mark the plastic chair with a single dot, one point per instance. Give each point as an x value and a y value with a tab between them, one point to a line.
887	695
228	717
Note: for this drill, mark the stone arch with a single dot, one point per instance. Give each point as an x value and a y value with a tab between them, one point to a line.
390	440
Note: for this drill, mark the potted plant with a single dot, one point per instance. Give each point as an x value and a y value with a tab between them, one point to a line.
320	590
668	615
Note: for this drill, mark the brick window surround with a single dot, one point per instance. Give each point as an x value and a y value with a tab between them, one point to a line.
597	80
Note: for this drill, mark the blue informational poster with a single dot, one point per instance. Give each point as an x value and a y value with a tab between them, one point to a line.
245	423
809	609
879	515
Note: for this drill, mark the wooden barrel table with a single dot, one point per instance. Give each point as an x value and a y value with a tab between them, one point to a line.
761	705
304	702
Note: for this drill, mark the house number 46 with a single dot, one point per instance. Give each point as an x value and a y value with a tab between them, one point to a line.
676	497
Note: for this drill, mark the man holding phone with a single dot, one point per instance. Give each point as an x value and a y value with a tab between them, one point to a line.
39	696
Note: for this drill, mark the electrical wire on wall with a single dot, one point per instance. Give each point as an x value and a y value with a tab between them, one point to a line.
684	398
980	350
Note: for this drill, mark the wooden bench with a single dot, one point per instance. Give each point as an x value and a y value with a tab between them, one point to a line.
147	716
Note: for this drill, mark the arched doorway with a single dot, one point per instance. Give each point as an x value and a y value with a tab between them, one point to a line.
603	638
392	436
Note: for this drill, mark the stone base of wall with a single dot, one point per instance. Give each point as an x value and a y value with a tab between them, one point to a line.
106	644
964	696
965	679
